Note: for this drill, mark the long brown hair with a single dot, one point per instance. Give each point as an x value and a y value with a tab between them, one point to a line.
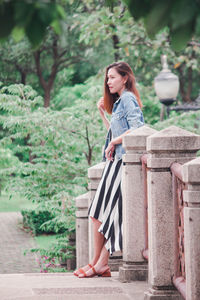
124	70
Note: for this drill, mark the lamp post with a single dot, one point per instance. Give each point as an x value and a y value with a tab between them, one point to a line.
166	85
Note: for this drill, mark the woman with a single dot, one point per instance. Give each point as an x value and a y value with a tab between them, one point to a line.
122	100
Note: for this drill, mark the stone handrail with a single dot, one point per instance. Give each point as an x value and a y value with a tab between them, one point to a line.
163	148
170	145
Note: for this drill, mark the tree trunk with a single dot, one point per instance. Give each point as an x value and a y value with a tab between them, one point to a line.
185	90
115	40
22	72
186	81
115	37
47	97
115	46
46	85
23	77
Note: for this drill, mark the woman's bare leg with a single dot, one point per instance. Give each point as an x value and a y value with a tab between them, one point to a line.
102	262
99	241
101	265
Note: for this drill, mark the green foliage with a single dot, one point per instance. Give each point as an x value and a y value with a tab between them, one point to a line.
182	17
68	95
135	47
59	252
49	217
151	105
29	17
7	159
188	121
61	145
34	218
87	45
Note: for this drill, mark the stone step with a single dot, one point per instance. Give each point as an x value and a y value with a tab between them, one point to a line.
60	286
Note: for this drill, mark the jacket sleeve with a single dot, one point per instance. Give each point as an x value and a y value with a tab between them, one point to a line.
133	113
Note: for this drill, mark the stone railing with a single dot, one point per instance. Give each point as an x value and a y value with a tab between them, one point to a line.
162	149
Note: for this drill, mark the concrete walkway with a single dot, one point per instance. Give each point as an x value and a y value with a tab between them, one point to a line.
20	280
65	286
13	242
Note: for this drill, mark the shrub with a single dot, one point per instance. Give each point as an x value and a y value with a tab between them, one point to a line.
34	218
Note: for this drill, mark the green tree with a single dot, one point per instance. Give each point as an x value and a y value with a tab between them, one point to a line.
54	54
99	26
16	61
62	143
182	18
26	66
141	52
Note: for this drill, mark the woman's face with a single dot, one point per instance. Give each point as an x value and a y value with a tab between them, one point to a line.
116	82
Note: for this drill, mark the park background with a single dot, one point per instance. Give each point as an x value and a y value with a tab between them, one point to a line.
52	66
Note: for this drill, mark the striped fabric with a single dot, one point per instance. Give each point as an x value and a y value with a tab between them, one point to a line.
107	205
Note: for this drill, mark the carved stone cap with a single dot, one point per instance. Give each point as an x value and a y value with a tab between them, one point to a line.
191	171
82	201
173	139
136	139
95	172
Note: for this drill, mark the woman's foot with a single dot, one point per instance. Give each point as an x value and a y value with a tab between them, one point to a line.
103	271
82	270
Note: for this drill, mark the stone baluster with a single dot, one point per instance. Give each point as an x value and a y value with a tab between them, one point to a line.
170	145
134	266
82	251
94	175
191	197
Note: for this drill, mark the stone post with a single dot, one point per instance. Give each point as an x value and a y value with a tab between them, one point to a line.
82	252
134	266
191	197
94	175
170	145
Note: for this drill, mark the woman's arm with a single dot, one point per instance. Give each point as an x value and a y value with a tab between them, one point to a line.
111	146
101	109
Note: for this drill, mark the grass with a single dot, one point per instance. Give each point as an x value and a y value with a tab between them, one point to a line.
14	204
44	241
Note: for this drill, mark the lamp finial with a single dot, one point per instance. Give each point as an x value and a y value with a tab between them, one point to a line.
164	63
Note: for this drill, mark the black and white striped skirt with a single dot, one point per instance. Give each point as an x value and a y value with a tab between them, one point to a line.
107	205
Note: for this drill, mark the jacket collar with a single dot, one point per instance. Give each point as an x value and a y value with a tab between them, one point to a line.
120	96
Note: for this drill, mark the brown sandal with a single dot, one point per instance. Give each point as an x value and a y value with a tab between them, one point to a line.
81	271
106	273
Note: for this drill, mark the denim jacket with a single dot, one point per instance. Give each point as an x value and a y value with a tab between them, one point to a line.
126	114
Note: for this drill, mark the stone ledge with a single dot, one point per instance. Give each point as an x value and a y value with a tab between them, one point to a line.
132	158
136	139
159	162
154	294
191	196
82	201
137	272
96	171
173	139
191	171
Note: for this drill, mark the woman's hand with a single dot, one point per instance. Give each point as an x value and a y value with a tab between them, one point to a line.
109	151
100	105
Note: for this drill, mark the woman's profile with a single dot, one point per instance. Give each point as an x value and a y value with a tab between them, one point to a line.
121	99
